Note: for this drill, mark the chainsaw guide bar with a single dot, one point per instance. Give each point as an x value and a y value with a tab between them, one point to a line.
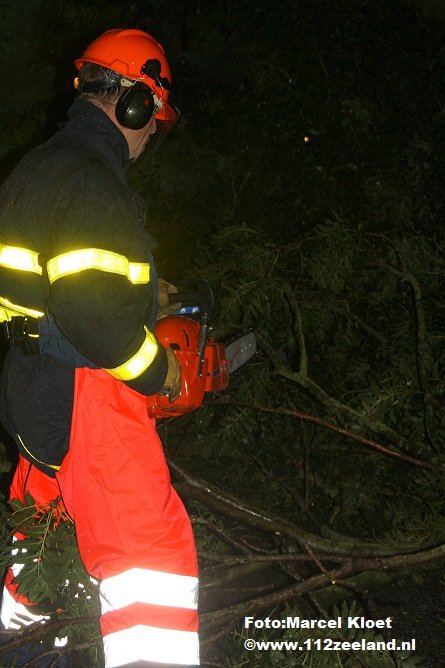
240	350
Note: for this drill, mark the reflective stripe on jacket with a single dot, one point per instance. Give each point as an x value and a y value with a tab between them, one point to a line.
25	260
73	245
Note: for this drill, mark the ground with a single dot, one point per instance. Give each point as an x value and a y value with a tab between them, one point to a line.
418	611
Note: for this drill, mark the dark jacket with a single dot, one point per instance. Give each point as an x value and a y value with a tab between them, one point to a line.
71	193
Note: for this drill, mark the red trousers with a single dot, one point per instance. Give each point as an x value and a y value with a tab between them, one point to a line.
133	532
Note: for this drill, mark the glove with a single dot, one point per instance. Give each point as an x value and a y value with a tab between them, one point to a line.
172	383
165	308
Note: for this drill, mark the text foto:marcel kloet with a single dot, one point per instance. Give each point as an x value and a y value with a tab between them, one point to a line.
301	623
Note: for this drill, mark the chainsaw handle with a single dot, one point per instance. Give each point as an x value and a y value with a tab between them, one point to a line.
194	292
183	298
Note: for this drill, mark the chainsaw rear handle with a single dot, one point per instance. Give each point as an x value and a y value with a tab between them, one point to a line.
194	292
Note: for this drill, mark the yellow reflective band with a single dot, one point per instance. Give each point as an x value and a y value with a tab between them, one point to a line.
8	310
96	258
4	315
139	272
14	257
139	362
51	466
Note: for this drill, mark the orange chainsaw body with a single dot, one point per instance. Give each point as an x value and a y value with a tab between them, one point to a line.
203	373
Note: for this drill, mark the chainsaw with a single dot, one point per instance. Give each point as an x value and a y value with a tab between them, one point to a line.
205	364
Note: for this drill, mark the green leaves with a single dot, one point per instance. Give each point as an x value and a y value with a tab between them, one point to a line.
51	573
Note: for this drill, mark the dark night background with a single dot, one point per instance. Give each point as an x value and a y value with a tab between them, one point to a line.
305	180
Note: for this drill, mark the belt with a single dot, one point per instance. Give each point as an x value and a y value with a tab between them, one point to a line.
22	332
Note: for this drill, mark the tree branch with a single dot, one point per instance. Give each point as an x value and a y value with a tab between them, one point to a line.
339	430
350	567
227	505
36	631
428	399
329	402
230	615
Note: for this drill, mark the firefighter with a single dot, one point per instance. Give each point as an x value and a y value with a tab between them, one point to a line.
79	297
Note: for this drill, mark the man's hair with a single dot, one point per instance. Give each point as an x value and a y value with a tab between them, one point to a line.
91	73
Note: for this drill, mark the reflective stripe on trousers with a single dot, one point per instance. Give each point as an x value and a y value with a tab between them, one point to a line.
133	532
43	489
14	614
16	609
151	599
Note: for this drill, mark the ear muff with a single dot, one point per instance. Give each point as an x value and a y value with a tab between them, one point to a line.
135	107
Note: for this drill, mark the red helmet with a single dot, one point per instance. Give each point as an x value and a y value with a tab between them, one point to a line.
138	57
